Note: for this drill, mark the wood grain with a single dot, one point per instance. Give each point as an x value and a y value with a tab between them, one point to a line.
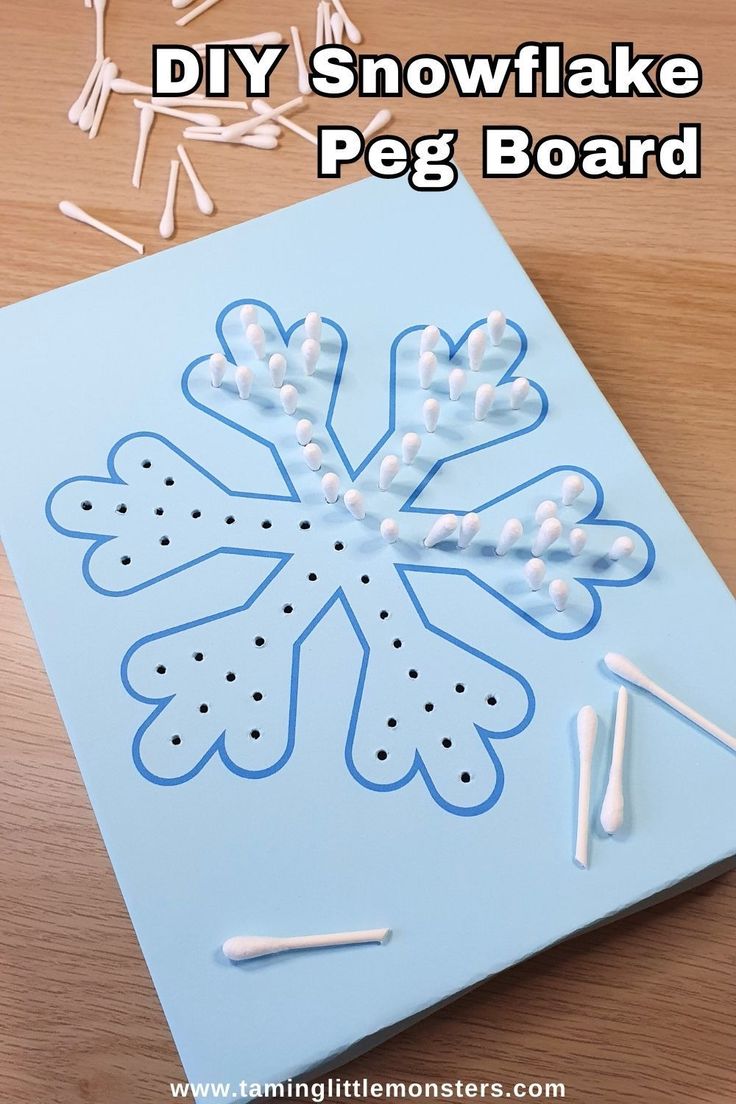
641	277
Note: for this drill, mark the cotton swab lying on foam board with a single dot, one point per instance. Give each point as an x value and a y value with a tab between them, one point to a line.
612	810
146	121
72	211
625	669
194	12
350	29
301	68
261	106
239	130
75	111
202	118
242	947
381	119
168	225
201	195
587	728
109	72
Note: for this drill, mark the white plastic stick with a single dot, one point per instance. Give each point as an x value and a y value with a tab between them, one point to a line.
587	729
337	25
265	38
242	947
146	120
262	106
72	211
239	130
75	111
88	111
99	6
319	30
380	120
625	669
327	25
350	29
301	68
167	225
612	810
201	195
194	12
202	118
109	72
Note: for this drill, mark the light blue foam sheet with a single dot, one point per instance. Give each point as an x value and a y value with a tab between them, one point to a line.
306	830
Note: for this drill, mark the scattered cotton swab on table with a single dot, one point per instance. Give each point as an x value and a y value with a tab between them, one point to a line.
319	30
587	726
199	101
194	12
99	6
381	119
257	141
625	669
239	130
75	111
109	72
168	225
72	211
198	119
612	809
130	88
88	112
350	29
242	947
201	195
146	121
301	68
266	38
337	25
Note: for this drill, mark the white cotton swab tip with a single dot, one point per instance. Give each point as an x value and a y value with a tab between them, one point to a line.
544	510
243	381
512	531
389	530
388	471
469	529
380	120
277	369
310	352
289	397
313	326
496	326
578	540
201	197
218	367
519	392
431	414
559	592
304	431
330	487
243	947
484	397
534	570
621	548
313	456
430	337
73	212
443	528
549	531
410	445
456	383
426	369
572	488
354	502
476	348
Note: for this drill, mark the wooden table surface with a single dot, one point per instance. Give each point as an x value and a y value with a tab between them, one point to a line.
639	274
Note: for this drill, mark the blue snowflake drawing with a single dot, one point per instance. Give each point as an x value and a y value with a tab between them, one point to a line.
427	704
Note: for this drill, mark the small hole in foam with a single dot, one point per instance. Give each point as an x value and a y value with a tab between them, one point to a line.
288	608
198	656
339	546
145	463
257	695
255	734
230	676
397	643
229	520
164	541
160	670
259	641
382	754
204	708
125	560
121	508
413	674
266	524
159	511
491	700
86	505
365	578
195	513
176	740
392	722
312	577
168	481
305	525
447	742
428	707
465	776
459	688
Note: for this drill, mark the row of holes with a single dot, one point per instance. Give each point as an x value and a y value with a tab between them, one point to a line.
255	734
465	776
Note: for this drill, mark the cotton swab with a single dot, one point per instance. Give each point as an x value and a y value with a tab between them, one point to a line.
337	26
443	528
549	531
218	367
301	68
456	383
389	530
128	87
327	25
534	571
201	195
255	335
146	121
239	130
625	669
289	397
243	381
99	6
167	225
201	119
612	809
512	531
261	106
428	340
75	111
519	392
587	729
313	456
469	529
257	141
496	322
319	30
390	466
572	488
72	211
621	548
304	430
410	445
199	10
559	592
265	38
88	111
354	503
109	72
431	415
484	397
350	29
276	368
330	487
200	101
242	947
378	122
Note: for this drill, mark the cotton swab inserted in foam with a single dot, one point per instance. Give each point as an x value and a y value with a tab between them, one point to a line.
587	725
242	947
194	12
625	669
72	211
201	195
